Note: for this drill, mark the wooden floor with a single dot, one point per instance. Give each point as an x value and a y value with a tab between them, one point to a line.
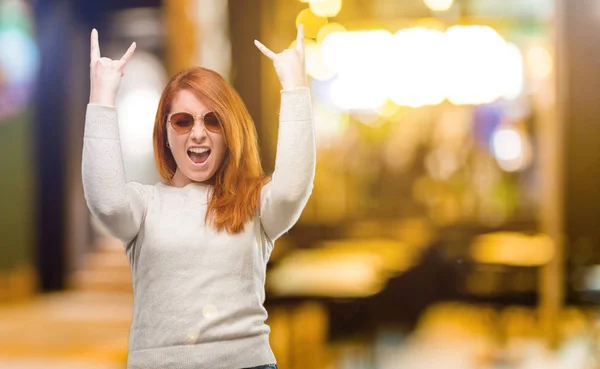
66	330
85	327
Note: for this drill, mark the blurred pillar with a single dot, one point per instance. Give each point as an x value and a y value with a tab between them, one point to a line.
570	155
181	35
276	30
579	87
551	210
252	74
213	45
49	140
198	35
78	232
245	22
551	217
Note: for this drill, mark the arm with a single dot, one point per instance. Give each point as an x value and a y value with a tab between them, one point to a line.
120	206
284	198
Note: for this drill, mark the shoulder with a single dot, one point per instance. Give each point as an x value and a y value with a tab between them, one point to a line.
144	190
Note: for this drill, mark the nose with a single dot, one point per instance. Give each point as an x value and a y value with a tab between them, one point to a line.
198	132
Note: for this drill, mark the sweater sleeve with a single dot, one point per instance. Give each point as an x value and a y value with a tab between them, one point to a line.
119	206
286	195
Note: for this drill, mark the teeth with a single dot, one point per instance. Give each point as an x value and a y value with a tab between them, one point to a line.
198	150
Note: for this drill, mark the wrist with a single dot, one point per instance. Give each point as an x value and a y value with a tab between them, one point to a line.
102	99
291	86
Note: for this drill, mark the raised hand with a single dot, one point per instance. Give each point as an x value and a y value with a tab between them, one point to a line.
289	64
105	73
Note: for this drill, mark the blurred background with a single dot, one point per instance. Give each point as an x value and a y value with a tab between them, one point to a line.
455	216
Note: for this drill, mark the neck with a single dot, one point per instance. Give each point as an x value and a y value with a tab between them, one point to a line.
180	180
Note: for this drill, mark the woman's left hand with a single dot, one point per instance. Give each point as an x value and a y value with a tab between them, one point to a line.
289	64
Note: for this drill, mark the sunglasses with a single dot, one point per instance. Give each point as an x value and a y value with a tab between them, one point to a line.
183	122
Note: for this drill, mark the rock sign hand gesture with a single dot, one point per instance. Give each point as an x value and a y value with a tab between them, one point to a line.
105	73
289	64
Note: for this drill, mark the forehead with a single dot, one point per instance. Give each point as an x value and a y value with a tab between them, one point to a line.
188	101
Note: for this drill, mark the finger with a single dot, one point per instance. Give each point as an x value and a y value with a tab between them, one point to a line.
300	40
265	50
128	54
94	46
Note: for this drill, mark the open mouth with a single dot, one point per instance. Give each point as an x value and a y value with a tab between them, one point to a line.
198	156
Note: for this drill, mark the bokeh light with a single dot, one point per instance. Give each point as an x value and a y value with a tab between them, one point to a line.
475	58
388	109
507	144
539	62
416	75
19	56
330	125
328	29
511	148
511	248
312	23
439	5
314	63
361	61
326	8
468	65
514	72
137	103
314	60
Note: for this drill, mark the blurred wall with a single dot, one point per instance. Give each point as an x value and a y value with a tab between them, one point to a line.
19	62
580	91
16	203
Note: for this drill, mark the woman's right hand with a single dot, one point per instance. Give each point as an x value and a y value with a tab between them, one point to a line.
105	74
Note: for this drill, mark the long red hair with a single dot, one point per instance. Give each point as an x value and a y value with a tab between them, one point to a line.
240	178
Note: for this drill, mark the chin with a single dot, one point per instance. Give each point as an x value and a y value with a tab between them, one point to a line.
199	177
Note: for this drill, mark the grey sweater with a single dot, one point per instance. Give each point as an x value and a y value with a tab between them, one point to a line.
198	293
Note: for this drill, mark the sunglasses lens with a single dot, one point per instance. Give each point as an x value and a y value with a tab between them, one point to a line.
211	122
182	122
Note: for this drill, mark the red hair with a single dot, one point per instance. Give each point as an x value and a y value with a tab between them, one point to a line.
240	178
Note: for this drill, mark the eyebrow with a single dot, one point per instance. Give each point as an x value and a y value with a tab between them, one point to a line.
194	114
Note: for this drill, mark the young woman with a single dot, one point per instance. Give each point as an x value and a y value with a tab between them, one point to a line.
198	242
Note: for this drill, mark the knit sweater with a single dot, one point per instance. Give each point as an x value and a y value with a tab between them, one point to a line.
198	293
